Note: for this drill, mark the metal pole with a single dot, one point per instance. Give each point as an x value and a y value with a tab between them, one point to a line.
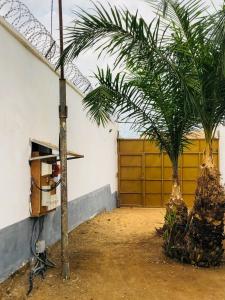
63	156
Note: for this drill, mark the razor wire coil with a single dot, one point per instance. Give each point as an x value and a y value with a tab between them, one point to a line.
20	17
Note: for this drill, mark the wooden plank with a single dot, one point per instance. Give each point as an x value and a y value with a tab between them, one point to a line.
36	193
54	147
131	200
37	209
43	157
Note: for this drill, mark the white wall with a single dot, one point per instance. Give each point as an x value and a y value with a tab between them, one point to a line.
221	135
29	96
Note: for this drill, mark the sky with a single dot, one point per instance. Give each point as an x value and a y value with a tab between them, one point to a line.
87	61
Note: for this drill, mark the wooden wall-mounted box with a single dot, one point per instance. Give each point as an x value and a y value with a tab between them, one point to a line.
43	193
44	180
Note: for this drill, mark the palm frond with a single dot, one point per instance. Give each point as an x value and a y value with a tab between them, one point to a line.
148	102
200	37
118	32
114	96
123	33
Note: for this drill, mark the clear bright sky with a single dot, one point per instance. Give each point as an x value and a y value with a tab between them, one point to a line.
87	62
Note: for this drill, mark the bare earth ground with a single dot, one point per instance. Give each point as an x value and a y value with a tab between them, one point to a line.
117	256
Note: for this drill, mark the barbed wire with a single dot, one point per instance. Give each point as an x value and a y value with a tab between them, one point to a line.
20	17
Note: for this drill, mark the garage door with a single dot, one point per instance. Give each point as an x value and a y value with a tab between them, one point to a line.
145	172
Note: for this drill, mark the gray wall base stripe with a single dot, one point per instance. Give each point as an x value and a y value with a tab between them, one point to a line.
15	239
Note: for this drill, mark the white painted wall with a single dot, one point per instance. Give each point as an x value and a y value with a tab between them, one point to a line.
221	135
29	96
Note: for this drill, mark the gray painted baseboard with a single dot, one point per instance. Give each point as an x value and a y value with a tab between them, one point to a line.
15	239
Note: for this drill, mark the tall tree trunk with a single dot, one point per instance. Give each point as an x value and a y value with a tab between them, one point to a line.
206	226
208	161
176	190
175	221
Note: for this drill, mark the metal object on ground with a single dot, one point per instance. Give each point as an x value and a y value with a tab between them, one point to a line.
40	246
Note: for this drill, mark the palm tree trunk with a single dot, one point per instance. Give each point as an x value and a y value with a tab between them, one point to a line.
176	190
175	221
206	228
208	161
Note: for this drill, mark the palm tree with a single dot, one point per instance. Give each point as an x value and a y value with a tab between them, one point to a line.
151	92
158	113
201	36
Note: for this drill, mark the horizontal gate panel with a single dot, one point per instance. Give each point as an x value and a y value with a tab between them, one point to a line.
153	160
150	146
145	173
190	173
130	160
153	173
130	173
130	186
153	200
153	187
131	199
132	146
190	160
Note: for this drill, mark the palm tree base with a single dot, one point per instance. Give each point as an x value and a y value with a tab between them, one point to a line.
206	228
175	228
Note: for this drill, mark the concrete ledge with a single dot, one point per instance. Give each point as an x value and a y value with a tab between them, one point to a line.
15	239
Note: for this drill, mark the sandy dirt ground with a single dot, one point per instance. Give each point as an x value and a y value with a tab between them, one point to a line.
118	256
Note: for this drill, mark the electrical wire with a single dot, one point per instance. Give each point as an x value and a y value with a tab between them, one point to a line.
34	238
42	263
45	190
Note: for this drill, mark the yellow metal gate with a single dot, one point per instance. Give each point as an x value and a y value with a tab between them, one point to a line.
145	172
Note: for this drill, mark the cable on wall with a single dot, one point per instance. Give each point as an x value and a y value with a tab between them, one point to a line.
41	261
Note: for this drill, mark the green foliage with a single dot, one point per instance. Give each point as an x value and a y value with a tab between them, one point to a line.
174	69
175	228
170	221
171	234
201	37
